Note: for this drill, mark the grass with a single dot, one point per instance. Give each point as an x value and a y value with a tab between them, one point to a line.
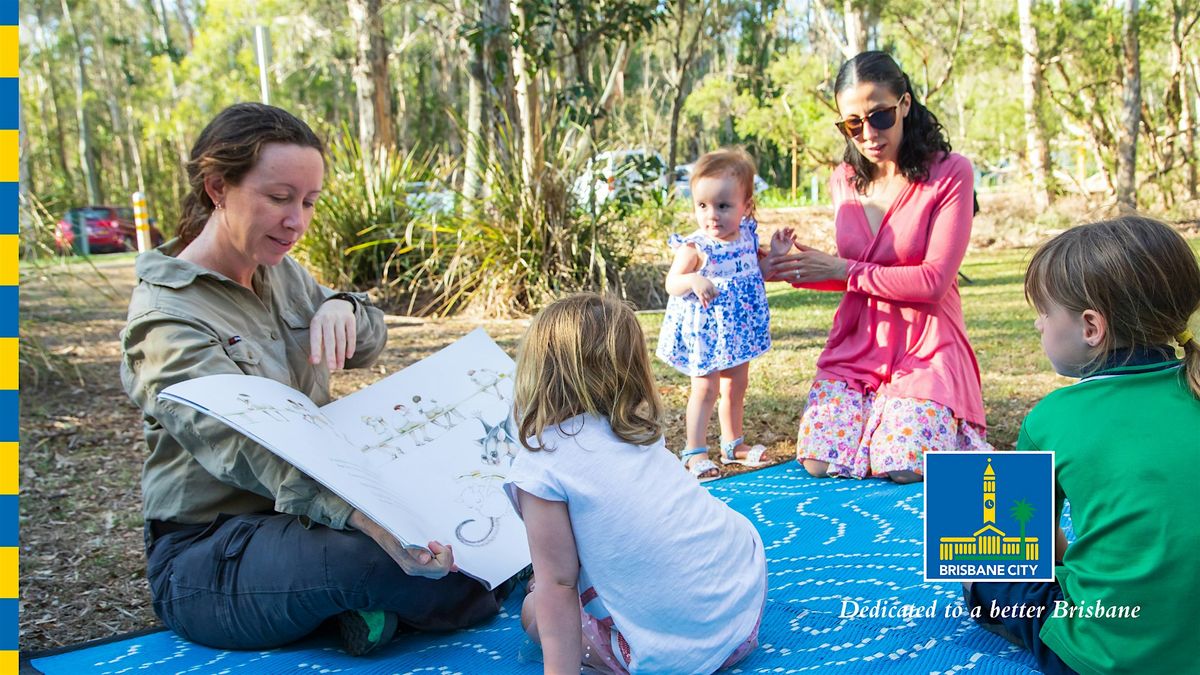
96	259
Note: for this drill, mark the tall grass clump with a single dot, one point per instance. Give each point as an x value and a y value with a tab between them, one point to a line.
531	239
526	241
364	233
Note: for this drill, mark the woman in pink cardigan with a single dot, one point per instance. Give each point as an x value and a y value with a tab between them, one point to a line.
897	377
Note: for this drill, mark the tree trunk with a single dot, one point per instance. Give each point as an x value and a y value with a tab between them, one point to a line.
372	88
86	151
448	76
188	31
1035	139
857	30
502	85
1184	136
481	96
385	123
114	85
177	139
48	73
1131	111
406	33
528	105
1188	120
476	141
165	24
684	53
614	84
135	151
174	173
614	87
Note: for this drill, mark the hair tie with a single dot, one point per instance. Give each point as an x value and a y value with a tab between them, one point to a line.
1184	337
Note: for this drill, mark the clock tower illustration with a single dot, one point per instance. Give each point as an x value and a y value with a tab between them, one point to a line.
989	494
989	542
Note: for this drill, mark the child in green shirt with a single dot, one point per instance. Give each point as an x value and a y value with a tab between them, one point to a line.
1111	297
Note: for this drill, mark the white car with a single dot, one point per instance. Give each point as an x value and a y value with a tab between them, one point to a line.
621	174
683	181
429	197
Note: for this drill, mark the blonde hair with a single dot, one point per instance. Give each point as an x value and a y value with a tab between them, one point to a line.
586	354
733	162
1137	272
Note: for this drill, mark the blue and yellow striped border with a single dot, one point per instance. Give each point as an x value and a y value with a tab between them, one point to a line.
10	108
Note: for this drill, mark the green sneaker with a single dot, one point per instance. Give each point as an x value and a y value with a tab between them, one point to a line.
364	631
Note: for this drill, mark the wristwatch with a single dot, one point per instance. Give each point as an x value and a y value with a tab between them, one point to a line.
348	297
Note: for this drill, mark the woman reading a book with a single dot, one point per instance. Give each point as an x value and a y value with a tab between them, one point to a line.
243	550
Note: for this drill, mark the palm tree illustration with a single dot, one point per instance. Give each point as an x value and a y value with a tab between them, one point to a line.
1022	512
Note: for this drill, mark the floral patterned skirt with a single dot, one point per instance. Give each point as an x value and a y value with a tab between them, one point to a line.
603	643
862	434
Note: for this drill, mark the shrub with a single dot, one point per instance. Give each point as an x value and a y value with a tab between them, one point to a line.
528	242
364	233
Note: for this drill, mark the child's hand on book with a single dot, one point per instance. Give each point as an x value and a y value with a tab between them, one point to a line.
333	334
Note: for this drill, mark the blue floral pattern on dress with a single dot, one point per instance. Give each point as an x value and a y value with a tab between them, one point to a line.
736	326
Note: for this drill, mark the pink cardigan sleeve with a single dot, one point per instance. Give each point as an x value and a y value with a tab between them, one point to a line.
824	285
949	234
837	181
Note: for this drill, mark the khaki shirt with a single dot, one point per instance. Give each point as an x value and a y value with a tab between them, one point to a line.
186	321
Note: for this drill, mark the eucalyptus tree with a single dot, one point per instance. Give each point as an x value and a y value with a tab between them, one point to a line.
684	26
1035	138
372	82
1131	107
87	152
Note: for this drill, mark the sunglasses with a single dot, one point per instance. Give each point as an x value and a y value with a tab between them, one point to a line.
880	120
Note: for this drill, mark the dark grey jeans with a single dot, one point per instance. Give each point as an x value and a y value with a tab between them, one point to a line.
263	580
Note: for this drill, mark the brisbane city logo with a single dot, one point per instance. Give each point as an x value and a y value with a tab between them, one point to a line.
989	516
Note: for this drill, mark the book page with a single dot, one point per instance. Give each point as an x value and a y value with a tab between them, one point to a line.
439	433
290	425
423	452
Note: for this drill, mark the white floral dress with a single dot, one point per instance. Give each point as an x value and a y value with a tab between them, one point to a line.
736	325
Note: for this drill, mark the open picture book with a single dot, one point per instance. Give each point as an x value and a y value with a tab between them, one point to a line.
423	452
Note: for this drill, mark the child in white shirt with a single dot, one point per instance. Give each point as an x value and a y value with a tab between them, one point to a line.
638	568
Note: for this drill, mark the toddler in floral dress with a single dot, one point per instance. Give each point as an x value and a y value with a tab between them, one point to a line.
717	317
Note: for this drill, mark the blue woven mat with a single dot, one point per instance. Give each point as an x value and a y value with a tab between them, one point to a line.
828	542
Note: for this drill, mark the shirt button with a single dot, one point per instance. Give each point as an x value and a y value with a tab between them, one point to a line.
273	336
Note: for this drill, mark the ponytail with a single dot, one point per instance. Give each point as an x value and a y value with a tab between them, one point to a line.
1191	363
197	208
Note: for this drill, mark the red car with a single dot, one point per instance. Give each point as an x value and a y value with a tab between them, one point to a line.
110	229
